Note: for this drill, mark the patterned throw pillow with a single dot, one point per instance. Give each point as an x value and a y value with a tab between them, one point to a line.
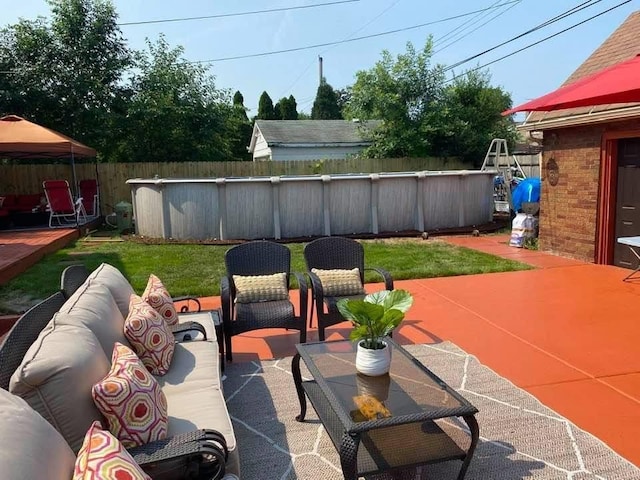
261	288
158	297
340	283
102	457
131	400
149	335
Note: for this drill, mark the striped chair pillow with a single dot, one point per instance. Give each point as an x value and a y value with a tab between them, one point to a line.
261	288
340	282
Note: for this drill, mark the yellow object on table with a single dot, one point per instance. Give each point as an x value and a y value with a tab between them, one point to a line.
368	408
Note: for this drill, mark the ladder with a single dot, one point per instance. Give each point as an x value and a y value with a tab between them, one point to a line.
508	168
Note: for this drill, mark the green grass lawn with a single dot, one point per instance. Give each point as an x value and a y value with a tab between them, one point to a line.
197	269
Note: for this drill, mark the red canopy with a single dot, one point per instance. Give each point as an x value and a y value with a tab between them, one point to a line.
20	138
619	83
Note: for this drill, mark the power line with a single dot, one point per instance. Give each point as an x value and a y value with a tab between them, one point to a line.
351	35
557	18
237	14
497	15
462	25
538	42
355	39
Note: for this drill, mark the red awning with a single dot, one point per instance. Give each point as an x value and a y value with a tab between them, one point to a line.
619	83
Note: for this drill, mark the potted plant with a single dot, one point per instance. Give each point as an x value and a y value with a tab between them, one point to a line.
374	318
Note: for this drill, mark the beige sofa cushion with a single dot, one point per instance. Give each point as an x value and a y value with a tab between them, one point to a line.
92	306
194	408
195	365
110	277
31	448
56	376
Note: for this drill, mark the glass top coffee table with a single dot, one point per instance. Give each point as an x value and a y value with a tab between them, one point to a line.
386	423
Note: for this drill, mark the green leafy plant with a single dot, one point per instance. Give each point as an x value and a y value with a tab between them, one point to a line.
376	316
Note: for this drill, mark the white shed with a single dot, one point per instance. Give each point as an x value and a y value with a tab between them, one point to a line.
282	140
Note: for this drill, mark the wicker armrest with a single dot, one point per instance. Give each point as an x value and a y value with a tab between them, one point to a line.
187	298
186	327
316	287
302	285
388	280
198	454
226	296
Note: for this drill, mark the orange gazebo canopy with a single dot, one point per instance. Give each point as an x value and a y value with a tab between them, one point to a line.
20	138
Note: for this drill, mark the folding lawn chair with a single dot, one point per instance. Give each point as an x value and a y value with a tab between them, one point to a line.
61	206
90	196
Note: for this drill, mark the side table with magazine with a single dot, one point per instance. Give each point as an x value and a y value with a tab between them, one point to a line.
390	423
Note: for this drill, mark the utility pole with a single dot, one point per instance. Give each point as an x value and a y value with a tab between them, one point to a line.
320	68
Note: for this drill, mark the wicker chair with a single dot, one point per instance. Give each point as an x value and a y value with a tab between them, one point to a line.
74	275
260	258
328	254
23	333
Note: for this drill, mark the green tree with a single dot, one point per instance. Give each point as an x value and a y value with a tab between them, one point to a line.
241	128
343	96
291	112
286	108
265	107
67	73
405	92
325	106
176	113
471	118
238	98
422	115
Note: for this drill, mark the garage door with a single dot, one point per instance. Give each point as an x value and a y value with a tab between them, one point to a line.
628	199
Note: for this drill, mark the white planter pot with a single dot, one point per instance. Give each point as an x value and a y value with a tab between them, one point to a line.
373	362
377	386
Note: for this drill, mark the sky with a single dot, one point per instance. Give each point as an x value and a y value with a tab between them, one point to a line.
526	75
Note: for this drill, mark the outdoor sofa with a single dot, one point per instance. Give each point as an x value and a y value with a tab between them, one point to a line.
62	346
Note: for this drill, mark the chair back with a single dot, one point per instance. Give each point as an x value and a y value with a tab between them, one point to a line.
58	196
23	333
89	194
331	253
72	278
259	257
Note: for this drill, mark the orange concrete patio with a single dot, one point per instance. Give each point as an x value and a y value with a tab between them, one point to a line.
566	332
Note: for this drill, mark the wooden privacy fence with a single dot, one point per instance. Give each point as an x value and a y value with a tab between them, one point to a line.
310	205
18	178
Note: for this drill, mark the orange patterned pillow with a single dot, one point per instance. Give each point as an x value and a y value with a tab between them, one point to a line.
149	335
131	400
158	297
102	457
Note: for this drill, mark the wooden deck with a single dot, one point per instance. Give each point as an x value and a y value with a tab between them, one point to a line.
19	250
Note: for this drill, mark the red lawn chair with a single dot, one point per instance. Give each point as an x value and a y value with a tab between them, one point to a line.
62	208
90	196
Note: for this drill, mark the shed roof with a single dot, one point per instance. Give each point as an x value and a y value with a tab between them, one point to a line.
621	45
282	132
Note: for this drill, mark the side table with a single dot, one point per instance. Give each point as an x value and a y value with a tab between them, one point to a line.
196	325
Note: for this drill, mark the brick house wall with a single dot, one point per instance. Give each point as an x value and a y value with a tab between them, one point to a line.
568	210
